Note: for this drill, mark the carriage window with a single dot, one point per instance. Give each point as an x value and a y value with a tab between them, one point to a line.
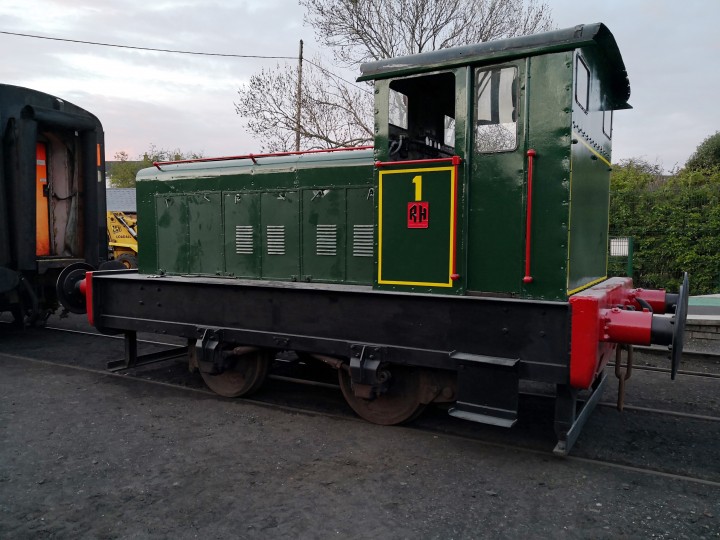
496	110
582	84
398	115
607	123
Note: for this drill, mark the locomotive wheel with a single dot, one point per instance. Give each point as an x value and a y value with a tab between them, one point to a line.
244	375
401	403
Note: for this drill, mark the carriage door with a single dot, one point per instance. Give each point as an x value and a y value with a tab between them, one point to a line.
417	226
496	219
42	211
418	182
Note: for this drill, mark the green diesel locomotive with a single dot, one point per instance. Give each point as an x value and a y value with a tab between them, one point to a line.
462	253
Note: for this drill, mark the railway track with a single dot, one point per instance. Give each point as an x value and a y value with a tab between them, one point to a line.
608	404
690	355
298	394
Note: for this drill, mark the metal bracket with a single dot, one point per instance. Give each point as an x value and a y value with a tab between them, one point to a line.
368	380
208	351
133	359
569	423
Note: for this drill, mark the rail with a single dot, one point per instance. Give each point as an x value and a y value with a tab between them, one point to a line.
528	217
254	157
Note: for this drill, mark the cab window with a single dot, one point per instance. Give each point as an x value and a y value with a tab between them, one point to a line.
496	109
421	117
607	123
398	109
582	83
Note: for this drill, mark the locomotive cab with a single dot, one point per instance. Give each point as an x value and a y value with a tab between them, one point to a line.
531	127
506	159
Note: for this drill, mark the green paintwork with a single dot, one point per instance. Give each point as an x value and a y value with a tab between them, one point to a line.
410	266
590	179
172	232
496	217
415	256
280	228
241	215
241	219
338	235
589	219
205	241
360	226
549	90
324	234
316	217
189	233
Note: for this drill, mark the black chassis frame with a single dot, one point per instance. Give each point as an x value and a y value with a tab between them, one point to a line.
491	343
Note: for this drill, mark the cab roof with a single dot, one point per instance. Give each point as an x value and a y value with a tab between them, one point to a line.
580	36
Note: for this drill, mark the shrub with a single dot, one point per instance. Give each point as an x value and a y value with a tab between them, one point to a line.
675	223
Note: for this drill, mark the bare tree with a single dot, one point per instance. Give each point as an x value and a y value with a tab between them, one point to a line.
335	113
364	30
332	113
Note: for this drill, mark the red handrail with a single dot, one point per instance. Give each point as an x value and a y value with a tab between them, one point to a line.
451	159
528	218
455	276
253	157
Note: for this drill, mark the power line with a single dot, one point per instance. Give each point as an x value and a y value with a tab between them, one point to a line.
147	48
337	76
175	51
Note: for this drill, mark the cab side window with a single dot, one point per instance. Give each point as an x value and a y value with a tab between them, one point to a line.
582	83
607	123
398	109
421	117
496	109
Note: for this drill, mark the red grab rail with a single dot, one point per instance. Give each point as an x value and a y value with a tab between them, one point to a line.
528	217
254	157
455	160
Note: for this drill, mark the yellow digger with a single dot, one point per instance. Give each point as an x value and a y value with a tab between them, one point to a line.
122	238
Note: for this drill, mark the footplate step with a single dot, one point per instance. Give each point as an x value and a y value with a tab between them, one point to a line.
487	389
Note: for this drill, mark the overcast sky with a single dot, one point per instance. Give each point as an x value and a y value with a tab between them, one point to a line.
670	47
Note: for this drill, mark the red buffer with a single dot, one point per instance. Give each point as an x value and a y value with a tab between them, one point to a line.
613	313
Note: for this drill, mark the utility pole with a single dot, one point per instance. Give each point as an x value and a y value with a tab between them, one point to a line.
299	99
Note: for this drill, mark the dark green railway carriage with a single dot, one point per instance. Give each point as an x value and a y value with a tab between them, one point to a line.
464	252
52	197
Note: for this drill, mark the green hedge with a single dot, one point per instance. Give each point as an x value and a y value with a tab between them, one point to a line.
675	223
